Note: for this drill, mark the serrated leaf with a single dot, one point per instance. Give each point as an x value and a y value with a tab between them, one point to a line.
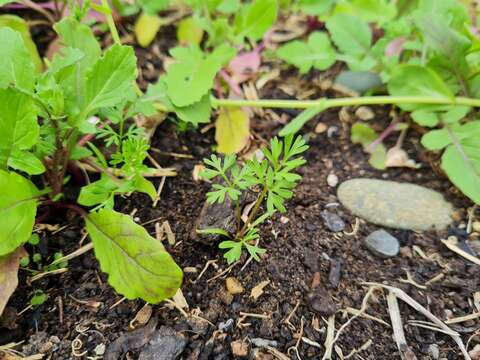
255	19
18	24
16	65
350	34
317	52
137	264
146	28
232	130
9	265
25	161
109	80
18	207
18	124
191	76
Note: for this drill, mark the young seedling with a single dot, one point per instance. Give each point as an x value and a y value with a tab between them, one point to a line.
272	179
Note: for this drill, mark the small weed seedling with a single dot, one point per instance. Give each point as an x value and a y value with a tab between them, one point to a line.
272	177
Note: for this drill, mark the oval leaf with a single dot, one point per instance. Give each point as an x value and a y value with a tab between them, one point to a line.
137	264
232	130
18	207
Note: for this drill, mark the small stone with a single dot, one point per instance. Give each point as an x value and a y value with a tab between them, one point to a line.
396	205
320	128
364	113
476	226
226	325
320	302
239	348
382	244
166	344
263	343
332	180
434	351
332	221
234	286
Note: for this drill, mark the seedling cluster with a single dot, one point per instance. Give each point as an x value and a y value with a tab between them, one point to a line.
73	113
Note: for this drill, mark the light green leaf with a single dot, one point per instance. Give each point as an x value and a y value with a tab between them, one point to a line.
18	24
25	161
363	134
297	123
110	80
18	124
350	34
317	53
232	130
137	264
16	65
461	162
255	19
146	28
189	32
153	6
314	7
371	11
416	80
143	185
18	207
191	76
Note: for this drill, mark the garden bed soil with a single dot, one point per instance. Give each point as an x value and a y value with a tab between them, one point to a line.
311	271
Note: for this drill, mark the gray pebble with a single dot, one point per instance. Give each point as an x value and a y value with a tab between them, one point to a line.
382	244
226	325
263	343
332	221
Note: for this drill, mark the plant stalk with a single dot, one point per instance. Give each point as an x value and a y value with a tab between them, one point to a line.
111	23
339	102
252	213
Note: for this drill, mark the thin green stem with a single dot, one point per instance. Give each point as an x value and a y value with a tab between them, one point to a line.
259	201
339	102
111	23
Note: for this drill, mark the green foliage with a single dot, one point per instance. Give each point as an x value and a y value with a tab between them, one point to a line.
83	90
317	52
137	264
274	177
18	205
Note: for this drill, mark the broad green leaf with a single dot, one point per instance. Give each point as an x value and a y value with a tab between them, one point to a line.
440	138
18	24
372	11
18	124
98	192
255	19
189	32
16	65
73	79
196	113
416	80
350	34
232	130
378	157
363	134
317	53
110	80
136	263
297	123
18	207
314	7
191	76
146	28
461	162
25	161
9	265
152	7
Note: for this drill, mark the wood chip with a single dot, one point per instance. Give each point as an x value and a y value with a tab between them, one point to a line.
257	291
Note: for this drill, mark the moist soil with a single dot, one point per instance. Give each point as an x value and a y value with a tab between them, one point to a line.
312	272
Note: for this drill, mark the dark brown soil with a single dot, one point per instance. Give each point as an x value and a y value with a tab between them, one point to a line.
83	312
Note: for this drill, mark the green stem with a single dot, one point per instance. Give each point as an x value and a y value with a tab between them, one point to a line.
339	102
252	214
111	23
